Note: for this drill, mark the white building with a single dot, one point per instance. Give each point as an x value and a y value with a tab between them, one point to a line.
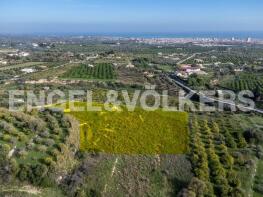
35	45
3	62
130	65
90	65
28	70
24	54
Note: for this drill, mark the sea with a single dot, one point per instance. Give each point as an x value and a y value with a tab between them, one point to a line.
237	35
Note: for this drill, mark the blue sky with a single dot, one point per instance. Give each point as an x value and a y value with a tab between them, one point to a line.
98	16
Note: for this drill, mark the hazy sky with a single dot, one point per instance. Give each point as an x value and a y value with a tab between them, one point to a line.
25	16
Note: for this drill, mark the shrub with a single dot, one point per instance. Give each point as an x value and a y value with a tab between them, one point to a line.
49	142
259	152
49	161
41	148
239	159
241	142
6	138
253	135
230	142
238	192
22	153
44	134
197	186
14	166
22	137
38	173
30	146
259	188
222	190
215	128
24	173
38	140
233	179
65	123
5	148
54	153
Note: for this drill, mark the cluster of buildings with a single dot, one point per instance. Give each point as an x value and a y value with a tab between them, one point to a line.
200	41
187	70
28	70
3	62
6	57
18	54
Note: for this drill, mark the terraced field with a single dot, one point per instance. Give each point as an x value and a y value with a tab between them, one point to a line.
102	71
250	82
223	158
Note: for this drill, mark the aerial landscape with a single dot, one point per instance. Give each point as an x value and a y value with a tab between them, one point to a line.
131	98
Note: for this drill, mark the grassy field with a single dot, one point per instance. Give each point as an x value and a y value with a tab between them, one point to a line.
101	71
134	175
138	132
163	175
5	50
137	152
51	72
166	68
29	191
28	64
